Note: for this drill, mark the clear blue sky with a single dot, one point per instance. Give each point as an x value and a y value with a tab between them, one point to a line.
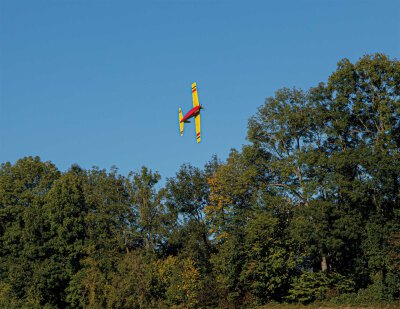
98	82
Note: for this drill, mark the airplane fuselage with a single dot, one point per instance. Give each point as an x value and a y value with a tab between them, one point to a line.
193	112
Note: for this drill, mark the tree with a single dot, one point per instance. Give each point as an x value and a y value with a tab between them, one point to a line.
253	261
187	195
24	187
153	217
287	128
66	212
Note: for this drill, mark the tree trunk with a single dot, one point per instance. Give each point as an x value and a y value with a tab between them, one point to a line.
324	264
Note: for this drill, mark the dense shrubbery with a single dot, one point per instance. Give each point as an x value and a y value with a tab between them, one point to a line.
309	211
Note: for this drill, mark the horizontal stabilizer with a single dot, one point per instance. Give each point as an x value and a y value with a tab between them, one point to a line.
181	124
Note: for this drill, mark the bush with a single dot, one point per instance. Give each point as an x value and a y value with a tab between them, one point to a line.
319	286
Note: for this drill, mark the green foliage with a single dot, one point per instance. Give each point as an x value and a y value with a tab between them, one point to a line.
26	182
24	229
153	217
311	286
269	262
182	282
187	195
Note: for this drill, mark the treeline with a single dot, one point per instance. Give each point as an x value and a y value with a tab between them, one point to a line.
308	211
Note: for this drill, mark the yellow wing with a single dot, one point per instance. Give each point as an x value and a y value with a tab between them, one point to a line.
197	121
197	117
194	95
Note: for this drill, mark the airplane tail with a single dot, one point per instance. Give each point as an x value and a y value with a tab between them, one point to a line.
181	124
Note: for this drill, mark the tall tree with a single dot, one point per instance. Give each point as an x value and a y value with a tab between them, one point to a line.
153	217
24	187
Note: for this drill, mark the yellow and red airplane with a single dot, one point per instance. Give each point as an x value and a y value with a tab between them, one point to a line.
194	112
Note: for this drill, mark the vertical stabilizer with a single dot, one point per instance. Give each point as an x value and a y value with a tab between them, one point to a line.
181	124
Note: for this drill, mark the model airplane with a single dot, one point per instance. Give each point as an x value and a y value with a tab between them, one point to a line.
194	112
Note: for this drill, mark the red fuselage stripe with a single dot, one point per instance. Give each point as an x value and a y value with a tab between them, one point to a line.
193	112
